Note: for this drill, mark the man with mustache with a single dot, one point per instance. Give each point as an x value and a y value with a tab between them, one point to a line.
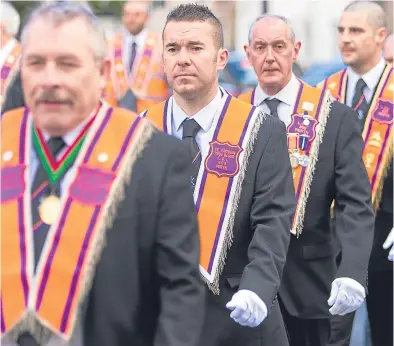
241	180
99	240
367	86
324	147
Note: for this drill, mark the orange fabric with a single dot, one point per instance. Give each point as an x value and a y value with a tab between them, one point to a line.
147	81
302	176
210	211
9	69
72	239
378	127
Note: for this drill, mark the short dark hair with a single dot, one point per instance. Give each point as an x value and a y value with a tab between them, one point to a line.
195	13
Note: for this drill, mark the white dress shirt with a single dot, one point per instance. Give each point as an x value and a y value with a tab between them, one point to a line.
6	51
371	78
204	118
129	39
287	97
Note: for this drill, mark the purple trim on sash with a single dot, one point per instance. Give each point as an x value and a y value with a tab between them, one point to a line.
125	143
252	97
298	98
2	316
385	83
225	204
204	176
22	139
97	135
23	250
52	252
373	180
341	85
77	271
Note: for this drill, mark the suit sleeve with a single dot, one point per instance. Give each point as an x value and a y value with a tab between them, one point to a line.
353	209
271	214
14	96
182	292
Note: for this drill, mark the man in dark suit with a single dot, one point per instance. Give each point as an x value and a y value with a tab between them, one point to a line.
96	205
241	180
367	83
325	152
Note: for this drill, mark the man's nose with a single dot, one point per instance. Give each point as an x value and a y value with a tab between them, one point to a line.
270	58
183	57
49	76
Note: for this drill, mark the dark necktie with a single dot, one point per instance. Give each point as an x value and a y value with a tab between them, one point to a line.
190	130
133	55
359	103
40	189
273	106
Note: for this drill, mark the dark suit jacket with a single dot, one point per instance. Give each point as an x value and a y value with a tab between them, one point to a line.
14	95
262	224
147	288
340	174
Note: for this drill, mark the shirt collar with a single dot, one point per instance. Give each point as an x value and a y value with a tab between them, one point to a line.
204	117
139	39
286	95
371	78
71	136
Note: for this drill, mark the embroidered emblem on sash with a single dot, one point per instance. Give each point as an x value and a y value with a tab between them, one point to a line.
223	159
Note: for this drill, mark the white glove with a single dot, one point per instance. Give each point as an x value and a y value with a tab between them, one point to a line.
248	309
390	242
347	295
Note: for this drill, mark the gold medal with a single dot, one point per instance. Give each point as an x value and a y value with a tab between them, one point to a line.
49	209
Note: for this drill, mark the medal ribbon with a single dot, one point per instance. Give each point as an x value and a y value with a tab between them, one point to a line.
56	169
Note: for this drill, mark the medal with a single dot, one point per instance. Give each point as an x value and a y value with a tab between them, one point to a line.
49	209
294	161
304	161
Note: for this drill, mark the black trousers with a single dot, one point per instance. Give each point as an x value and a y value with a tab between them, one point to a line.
306	332
341	330
220	329
380	307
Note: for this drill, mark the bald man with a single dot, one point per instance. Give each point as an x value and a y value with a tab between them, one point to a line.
388	49
137	76
366	85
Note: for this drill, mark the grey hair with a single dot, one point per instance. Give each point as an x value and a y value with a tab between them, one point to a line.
10	17
376	14
61	12
272	16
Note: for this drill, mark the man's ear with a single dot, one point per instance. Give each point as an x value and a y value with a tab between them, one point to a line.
246	49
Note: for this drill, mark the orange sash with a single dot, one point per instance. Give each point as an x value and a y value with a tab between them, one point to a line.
378	127
147	80
50	299
217	190
9	69
304	136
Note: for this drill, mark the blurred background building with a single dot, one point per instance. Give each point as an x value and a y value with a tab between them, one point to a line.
314	21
